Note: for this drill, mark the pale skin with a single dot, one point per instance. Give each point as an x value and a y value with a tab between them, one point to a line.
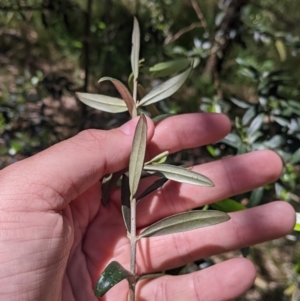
56	238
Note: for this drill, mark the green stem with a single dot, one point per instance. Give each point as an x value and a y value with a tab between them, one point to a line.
133	241
135	89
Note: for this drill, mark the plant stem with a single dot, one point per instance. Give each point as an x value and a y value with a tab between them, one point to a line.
134	95
133	245
133	213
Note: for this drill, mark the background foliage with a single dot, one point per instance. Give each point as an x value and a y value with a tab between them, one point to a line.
248	54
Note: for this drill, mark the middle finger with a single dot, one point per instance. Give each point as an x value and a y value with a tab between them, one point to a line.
231	176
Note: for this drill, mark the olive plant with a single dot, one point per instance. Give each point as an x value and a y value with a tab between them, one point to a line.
138	168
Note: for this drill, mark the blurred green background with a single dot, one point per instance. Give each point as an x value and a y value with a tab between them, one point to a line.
249	57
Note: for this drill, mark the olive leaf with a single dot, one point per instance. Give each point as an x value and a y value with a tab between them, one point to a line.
149	276
255	124
135	51
170	67
165	89
295	158
161	117
130	82
124	92
159	159
179	174
154	186
125	198
137	156
185	222
103	102
112	275
228	205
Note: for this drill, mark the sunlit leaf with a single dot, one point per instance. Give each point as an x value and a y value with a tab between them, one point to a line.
137	156
240	103
255	124
124	92
219	18
275	142
135	50
185	222
280	46
159	159
125	198
179	174
228	205
254	137
249	114
154	186
103	102
232	140
281	121
297	225
165	89
295	158
169	68
112	275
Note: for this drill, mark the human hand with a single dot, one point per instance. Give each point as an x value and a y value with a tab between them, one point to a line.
56	238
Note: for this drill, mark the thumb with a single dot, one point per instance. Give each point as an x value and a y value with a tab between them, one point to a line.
65	170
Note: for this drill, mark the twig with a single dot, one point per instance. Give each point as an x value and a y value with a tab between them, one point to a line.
170	39
200	15
87	41
176	36
217	85
133	245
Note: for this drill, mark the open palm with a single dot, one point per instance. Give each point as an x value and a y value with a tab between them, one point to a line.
56	238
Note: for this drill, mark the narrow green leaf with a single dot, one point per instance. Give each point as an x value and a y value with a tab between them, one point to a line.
251	139
130	82
240	103
255	124
282	121
249	114
179	174
149	276
137	156
161	117
108	185
170	67
256	196
228	205
159	159
112	275
185	222
135	51
297	225
295	158
275	142
281	48
154	186
125	198
124	92
165	89
103	102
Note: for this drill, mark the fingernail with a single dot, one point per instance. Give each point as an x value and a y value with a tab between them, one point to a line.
128	128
